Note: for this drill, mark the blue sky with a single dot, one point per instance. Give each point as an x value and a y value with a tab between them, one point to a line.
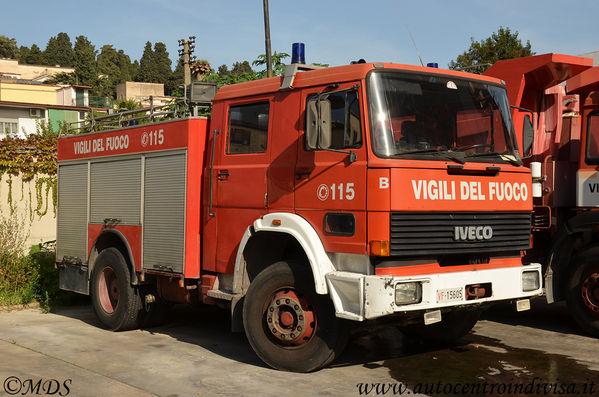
335	32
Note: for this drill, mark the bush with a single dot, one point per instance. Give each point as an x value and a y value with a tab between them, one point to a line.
18	275
25	278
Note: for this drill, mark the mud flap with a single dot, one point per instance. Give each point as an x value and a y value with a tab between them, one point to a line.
73	277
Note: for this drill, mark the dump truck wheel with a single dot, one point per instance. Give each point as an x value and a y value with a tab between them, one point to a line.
117	304
290	326
582	293
452	327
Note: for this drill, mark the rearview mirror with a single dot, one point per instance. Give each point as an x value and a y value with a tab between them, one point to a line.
318	124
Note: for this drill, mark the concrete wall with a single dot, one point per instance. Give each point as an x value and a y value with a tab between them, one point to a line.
135	90
30	72
24	203
28	93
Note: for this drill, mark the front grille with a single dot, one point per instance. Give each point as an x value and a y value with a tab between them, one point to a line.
433	233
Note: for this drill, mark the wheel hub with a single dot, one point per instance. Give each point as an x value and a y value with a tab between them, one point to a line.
590	292
108	289
290	318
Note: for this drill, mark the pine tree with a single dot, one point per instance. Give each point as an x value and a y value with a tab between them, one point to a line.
59	51
162	63
146	65
108	68
36	56
84	62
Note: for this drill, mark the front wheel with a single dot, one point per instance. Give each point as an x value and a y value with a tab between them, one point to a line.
290	326
117	304
582	294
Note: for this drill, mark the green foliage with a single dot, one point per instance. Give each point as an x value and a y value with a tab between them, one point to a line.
127	104
8	48
35	154
25	278
63	78
31	56
84	62
18	276
59	51
278	65
154	65
502	44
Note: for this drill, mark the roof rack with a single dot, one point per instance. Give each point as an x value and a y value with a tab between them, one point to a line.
152	114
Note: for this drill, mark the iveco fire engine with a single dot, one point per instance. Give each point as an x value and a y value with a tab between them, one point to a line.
305	202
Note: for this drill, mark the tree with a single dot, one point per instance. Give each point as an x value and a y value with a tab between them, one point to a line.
23	54
8	48
35	56
146	65
59	51
84	61
502	44
109	71
241	67
162	63
278	66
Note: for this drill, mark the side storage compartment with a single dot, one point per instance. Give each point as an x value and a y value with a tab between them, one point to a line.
164	212
71	233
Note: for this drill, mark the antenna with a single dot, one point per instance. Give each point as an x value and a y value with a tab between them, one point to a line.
410	32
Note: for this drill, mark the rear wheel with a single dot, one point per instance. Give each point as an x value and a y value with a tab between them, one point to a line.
583	291
290	326
453	326
117	304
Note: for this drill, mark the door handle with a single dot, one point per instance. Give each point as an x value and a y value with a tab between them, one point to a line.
302	174
223	175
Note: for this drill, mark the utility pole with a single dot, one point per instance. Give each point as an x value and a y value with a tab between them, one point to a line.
186	51
267	40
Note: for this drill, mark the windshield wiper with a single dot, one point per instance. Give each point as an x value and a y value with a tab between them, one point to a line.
513	160
445	152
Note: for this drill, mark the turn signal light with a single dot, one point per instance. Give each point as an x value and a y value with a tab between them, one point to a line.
379	247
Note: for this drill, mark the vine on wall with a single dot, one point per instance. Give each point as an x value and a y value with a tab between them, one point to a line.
30	157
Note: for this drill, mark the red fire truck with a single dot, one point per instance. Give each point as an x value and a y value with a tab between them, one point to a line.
349	193
557	123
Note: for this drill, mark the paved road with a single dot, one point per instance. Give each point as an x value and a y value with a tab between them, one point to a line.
194	354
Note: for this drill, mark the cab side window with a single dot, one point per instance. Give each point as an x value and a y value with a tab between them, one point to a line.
248	128
345	124
592	152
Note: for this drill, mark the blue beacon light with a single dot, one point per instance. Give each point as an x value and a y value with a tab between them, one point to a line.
298	53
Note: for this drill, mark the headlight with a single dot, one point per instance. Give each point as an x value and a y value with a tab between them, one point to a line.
407	293
530	281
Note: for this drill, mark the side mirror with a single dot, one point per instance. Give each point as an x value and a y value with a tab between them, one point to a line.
528	131
318	124
528	135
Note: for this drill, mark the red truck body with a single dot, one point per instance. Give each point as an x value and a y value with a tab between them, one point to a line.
559	94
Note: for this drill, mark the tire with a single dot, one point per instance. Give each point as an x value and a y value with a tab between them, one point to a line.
582	292
117	304
452	327
307	336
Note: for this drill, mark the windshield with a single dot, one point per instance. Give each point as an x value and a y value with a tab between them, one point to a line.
429	115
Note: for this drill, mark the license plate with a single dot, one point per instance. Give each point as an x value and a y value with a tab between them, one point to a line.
450	295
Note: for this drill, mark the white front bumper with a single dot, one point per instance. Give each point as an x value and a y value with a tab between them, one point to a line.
359	297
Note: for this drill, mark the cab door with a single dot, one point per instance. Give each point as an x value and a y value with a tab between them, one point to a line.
330	183
240	175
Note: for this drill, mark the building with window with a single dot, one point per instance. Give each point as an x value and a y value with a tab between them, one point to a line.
24	104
